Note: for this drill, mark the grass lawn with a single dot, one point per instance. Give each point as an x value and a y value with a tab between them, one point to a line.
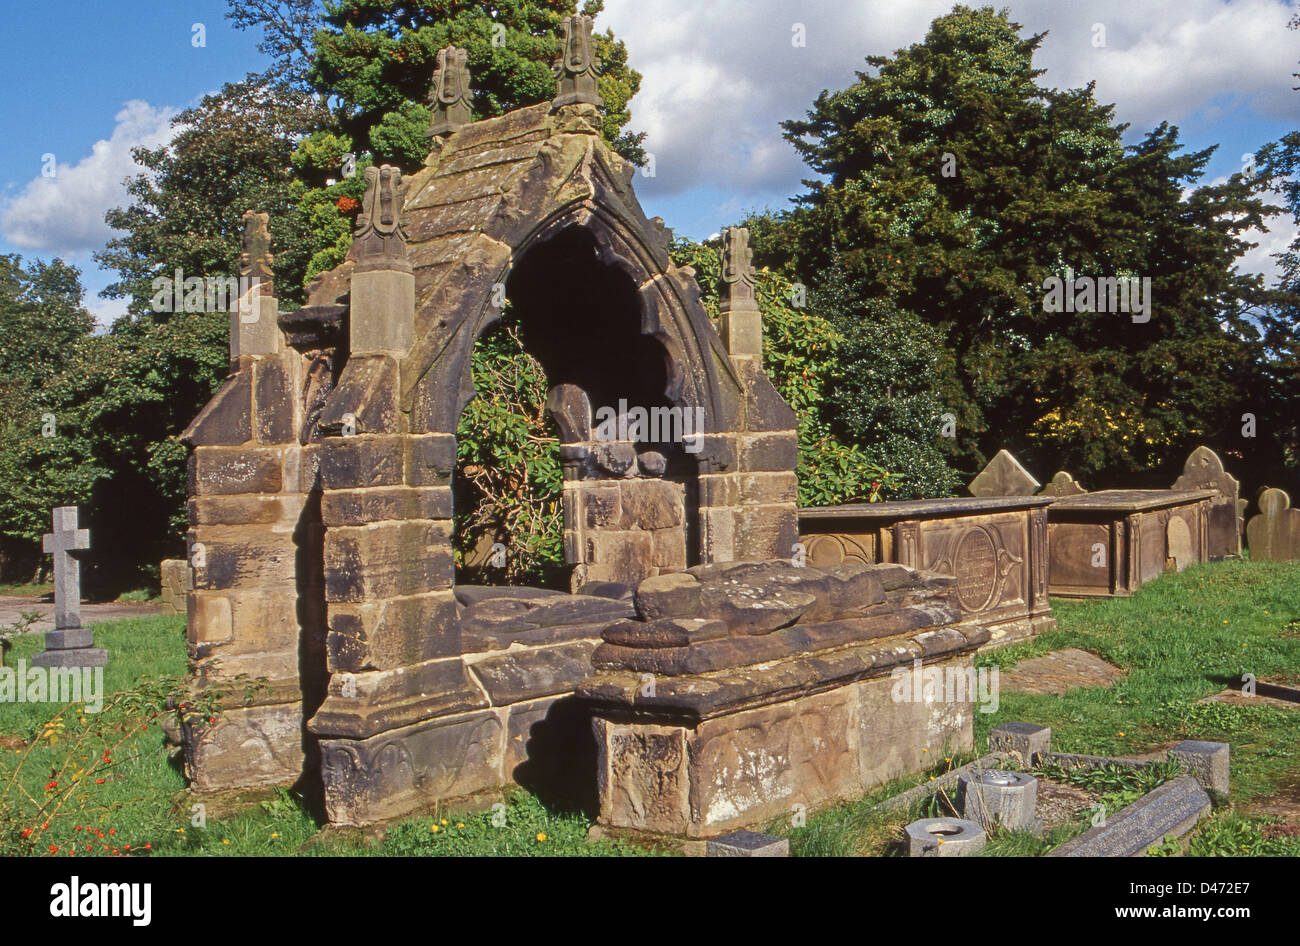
1180	638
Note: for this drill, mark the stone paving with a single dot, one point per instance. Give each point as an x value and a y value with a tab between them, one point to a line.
1059	671
13	606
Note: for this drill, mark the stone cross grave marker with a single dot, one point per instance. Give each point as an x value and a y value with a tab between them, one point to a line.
1004	476
69	644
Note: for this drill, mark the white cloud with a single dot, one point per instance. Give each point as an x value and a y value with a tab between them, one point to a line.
719	77
64	215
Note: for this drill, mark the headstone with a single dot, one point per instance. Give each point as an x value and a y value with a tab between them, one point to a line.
1178	544
1004	476
1204	470
68	645
1274	534
1062	484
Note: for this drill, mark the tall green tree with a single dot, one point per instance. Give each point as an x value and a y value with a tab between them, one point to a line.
952	183
44	454
375	58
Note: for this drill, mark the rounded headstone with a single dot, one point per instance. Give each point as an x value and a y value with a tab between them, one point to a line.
944	837
995	796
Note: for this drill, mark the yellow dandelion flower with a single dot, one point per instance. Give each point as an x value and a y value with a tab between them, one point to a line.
443	822
460	824
541	835
434	829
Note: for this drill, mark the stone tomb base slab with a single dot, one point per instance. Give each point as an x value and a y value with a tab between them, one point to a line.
743	768
1059	672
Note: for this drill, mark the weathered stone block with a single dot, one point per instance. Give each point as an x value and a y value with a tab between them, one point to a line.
768	488
393	633
1173	808
394	773
1026	740
273	407
244	557
641	776
354	507
760	764
247	747
361	461
747	844
778	452
901	734
388	560
665	596
224	470
430	459
1207	762
650	504
238	510
601	506
991	797
670	548
209	618
530	673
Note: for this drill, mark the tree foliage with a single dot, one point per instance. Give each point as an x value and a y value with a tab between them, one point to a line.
952	183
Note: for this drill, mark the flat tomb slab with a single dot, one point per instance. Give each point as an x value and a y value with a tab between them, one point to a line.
1059	672
1173	808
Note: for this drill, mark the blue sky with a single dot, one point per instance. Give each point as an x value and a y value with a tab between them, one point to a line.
86	79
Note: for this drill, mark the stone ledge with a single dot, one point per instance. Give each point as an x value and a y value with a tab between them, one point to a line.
687	700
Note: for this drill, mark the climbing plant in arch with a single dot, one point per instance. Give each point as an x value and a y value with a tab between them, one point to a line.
508	476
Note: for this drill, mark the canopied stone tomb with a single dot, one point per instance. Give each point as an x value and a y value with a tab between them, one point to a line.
321	496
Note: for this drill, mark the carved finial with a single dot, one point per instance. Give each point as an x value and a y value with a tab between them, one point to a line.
576	66
742	324
256	260
737	269
380	241
451	93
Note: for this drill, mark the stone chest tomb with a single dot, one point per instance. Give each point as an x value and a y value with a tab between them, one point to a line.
321	508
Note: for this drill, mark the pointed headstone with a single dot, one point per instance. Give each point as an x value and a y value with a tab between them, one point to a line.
1004	476
451	95
575	68
1062	484
1274	534
1204	470
69	644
